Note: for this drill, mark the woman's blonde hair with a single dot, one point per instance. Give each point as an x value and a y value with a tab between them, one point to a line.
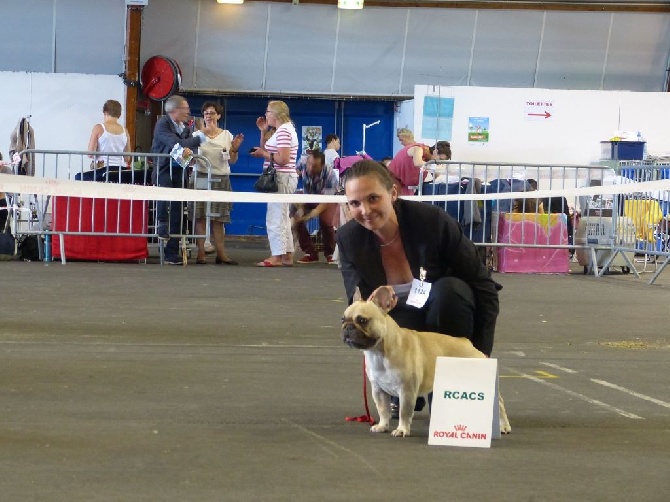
405	133
280	111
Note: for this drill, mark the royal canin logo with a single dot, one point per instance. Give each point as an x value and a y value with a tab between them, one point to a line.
460	432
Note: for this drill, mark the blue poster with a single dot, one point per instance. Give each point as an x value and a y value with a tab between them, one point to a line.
438	117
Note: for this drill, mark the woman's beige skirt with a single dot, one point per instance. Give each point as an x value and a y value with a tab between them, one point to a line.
219	211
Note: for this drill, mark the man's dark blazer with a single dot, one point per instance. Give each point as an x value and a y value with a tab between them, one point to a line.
165	137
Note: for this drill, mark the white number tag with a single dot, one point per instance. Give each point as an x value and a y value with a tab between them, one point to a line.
225	155
418	295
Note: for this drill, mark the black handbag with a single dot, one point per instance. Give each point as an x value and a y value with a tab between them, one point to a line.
267	182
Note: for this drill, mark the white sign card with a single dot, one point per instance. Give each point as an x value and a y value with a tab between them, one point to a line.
418	294
465	402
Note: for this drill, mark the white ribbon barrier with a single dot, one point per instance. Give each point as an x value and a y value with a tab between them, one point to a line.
44	186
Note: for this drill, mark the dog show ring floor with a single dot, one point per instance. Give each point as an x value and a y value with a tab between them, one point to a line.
141	382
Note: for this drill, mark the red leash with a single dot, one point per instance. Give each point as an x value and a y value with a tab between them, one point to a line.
367	417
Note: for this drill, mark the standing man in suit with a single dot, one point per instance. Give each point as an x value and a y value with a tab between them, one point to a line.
170	130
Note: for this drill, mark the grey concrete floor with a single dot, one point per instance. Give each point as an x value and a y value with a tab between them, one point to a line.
136	382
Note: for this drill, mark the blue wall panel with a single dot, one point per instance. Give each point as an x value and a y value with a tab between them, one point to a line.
344	118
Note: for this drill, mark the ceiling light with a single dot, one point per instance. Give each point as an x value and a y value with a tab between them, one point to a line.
349	4
230	1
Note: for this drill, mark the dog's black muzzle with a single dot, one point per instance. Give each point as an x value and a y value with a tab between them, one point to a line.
355	338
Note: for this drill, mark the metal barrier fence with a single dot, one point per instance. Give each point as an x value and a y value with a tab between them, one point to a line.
130	224
516	230
534	234
646	217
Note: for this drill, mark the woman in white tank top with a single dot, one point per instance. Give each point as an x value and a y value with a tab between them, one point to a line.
110	137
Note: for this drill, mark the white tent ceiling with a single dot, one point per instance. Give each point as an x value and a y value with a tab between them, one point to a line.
314	48
277	47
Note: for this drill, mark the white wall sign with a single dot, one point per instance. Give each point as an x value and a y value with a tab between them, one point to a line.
579	121
538	109
465	402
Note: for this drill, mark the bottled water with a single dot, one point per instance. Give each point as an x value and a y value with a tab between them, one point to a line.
644	147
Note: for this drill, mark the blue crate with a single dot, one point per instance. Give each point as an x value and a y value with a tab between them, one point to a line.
622	150
665	207
656	245
452	206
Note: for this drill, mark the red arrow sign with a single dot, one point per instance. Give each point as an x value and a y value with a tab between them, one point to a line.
546	115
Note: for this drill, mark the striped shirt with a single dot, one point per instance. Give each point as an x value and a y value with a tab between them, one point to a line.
284	137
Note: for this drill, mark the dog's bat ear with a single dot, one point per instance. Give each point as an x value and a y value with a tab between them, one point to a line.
357	295
384	297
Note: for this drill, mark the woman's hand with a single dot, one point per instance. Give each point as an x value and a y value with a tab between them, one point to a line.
300	217
237	141
384	297
258	152
262	124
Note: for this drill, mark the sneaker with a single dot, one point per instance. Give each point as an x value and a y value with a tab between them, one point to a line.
162	231
308	258
173	260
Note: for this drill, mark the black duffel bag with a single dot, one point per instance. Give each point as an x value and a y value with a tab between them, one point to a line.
7	241
7	246
29	248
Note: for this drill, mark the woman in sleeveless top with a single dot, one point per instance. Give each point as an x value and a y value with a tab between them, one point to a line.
109	137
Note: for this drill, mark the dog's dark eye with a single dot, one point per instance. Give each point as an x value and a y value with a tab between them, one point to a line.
362	321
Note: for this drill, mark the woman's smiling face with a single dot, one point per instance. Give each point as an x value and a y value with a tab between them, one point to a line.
211	116
370	202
